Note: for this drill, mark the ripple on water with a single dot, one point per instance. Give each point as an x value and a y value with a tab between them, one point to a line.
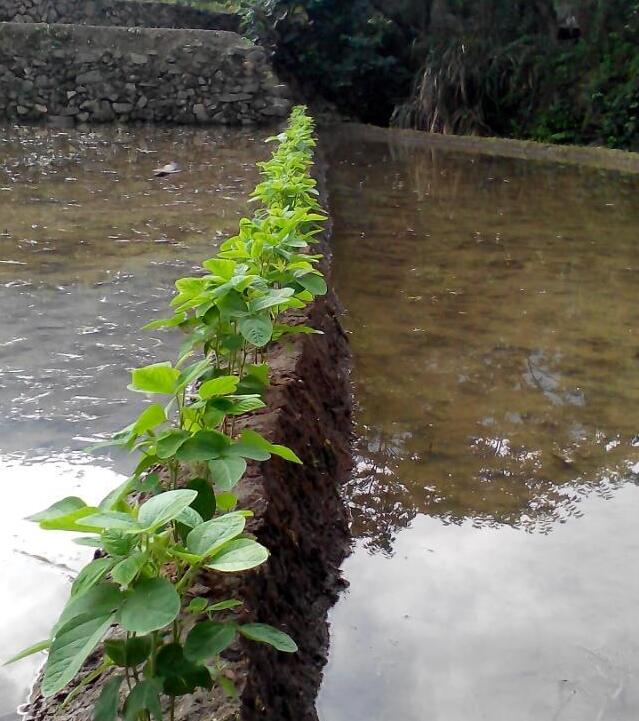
90	245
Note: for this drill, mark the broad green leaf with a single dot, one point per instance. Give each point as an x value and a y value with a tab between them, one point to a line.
314	283
207	538
213	417
267	634
271	299
257	330
220	267
241	554
284	452
231	342
126	570
190	286
251	445
35	648
203	446
180	675
91	574
303	298
101	600
113	521
261	449
151	417
226	501
198	605
128	652
205	502
221	403
145	696
170	442
218	386
70	648
116	543
159	510
107	706
208	639
232	306
57	510
226	472
255	379
255	438
190	518
246	404
73	521
151	604
156	378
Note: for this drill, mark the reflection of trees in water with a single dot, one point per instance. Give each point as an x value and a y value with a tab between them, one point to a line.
380	503
383	500
478	273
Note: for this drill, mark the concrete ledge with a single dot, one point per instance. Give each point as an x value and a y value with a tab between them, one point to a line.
78	73
590	156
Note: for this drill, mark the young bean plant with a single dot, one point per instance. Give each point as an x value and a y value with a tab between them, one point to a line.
177	516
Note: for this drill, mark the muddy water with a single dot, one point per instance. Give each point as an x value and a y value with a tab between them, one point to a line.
492	309
90	244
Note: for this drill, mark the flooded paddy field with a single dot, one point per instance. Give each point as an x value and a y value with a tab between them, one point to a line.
491	304
90	244
491	307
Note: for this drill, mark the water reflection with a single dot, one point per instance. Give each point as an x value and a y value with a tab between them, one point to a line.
493	317
90	244
491	305
37	566
468	623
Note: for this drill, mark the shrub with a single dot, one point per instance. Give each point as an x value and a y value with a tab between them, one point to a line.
342	51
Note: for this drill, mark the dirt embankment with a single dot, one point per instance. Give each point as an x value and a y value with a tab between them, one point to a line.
299	516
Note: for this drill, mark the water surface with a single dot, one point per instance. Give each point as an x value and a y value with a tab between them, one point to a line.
90	245
492	309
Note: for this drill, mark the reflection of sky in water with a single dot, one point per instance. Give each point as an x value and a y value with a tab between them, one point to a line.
36	565
89	250
492	309
467	623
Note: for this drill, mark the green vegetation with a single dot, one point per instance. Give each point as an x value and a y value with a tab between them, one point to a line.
553	71
505	71
346	52
176	516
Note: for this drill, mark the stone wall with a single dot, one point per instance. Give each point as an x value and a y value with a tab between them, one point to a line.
116	12
75	73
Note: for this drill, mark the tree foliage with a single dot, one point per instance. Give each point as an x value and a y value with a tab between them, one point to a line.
495	67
